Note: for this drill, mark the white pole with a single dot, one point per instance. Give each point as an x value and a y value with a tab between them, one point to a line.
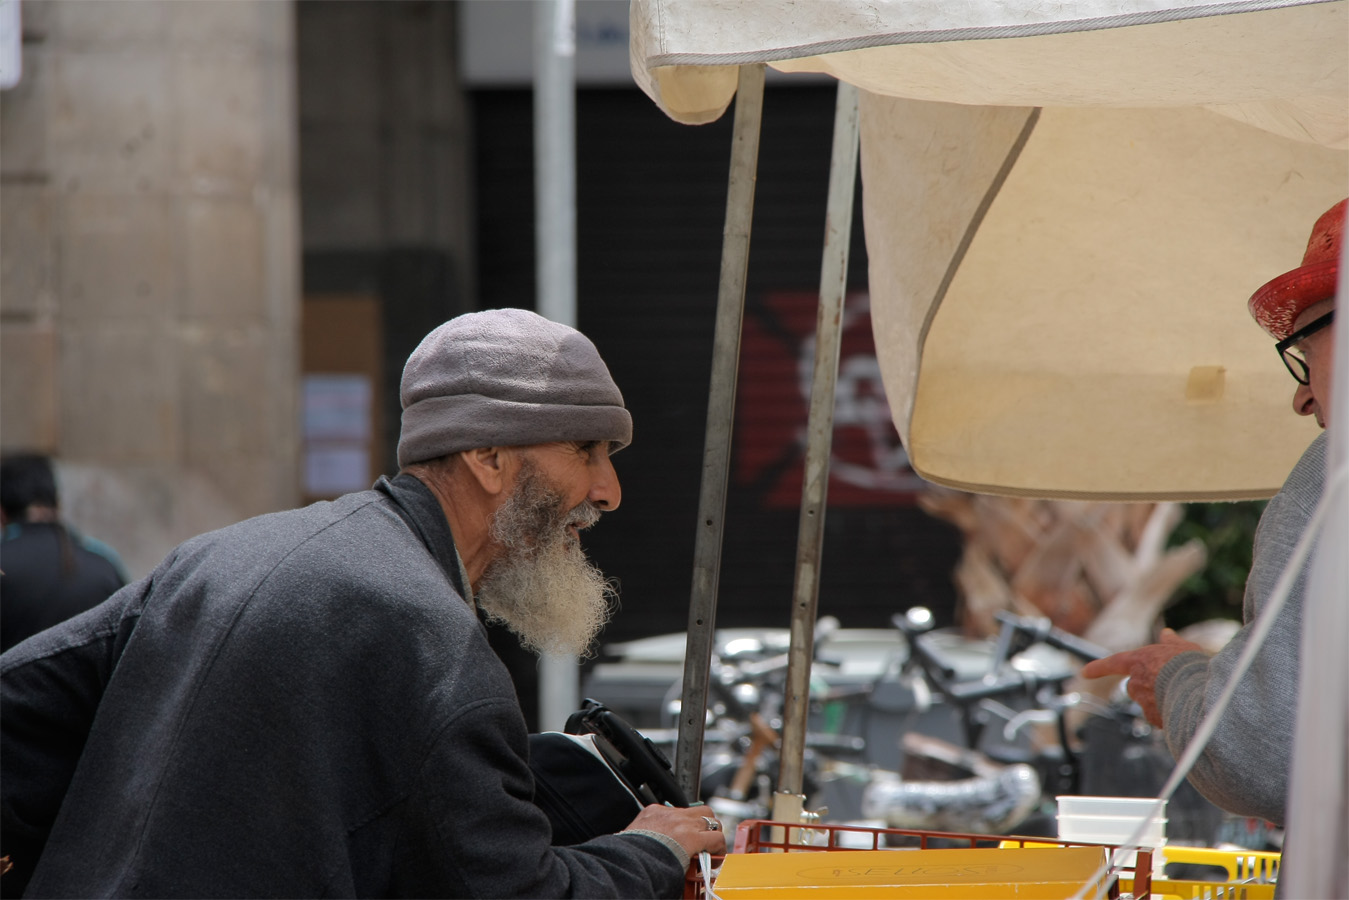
555	237
11	44
1316	863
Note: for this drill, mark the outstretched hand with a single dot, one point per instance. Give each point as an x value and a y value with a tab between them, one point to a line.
1142	666
687	825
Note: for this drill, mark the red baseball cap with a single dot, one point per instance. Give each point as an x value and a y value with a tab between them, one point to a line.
1278	304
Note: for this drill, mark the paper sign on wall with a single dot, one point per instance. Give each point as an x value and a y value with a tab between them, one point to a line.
337	429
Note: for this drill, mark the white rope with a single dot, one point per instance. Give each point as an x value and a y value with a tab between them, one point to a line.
705	863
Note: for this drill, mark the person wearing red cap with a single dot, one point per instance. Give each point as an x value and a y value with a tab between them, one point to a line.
1245	765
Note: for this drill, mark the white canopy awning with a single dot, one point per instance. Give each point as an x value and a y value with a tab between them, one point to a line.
1064	219
1277	64
1066	207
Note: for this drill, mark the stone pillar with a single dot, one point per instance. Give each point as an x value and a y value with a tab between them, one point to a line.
149	263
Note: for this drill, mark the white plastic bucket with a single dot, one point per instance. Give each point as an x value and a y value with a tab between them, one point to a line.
1134	807
1114	820
1112	830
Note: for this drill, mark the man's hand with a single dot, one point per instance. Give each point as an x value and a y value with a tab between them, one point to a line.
1142	666
687	825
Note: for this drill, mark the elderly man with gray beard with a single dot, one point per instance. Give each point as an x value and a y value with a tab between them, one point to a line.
305	703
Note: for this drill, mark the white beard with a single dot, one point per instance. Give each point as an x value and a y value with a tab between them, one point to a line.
542	587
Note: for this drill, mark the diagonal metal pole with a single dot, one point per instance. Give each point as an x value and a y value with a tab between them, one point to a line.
820	432
720	418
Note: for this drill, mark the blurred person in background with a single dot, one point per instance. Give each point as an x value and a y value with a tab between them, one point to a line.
1245	766
48	571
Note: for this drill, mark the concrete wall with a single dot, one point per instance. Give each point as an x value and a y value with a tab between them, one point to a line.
149	263
386	189
383	156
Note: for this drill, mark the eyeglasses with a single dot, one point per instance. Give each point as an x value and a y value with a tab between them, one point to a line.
1293	356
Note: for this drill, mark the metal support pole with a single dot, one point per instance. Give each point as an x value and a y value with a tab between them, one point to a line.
720	418
820	432
555	211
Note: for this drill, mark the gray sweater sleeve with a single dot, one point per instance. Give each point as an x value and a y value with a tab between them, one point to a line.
1244	767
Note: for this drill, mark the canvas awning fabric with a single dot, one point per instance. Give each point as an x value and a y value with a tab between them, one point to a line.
1064	219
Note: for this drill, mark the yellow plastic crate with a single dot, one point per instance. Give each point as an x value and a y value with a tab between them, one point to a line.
1250	875
945	874
1169	889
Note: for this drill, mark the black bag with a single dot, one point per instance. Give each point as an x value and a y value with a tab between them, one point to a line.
595	778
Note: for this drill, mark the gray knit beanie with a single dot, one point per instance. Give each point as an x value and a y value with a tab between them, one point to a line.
506	378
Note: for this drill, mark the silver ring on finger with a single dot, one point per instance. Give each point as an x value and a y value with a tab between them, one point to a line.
712	824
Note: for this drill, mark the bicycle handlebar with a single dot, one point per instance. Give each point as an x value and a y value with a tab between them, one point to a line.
1039	630
1020	632
989	687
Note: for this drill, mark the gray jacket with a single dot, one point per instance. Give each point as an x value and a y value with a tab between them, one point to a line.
1244	769
301	704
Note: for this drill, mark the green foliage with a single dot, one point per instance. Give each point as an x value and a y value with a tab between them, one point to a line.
1227	531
